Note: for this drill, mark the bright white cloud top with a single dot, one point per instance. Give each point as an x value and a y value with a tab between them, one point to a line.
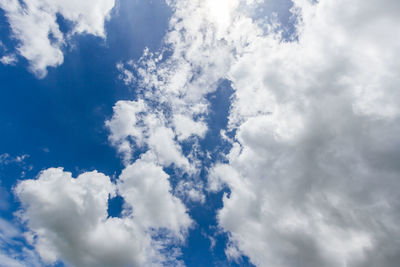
313	171
68	217
34	24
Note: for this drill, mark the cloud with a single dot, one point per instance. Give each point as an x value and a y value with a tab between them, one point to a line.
311	172
172	86
68	220
136	125
199	57
5	260
190	190
7	232
34	24
145	187
10	239
312	175
9	59
6	159
21	162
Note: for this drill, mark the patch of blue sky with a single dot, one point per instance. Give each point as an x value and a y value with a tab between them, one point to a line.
271	12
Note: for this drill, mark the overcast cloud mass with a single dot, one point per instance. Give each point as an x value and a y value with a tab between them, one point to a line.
302	170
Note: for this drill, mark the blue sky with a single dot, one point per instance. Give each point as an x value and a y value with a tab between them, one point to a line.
199	133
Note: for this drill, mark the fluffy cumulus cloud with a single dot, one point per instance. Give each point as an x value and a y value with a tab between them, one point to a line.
135	125
68	220
35	25
312	172
145	188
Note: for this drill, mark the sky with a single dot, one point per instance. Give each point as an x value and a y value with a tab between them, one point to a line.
199	133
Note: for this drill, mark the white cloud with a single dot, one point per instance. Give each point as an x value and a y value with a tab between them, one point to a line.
312	173
125	124
6	159
9	59
190	190
161	141
186	127
5	260
145	187
200	57
7	232
10	238
171	104
16	161
34	25
68	218
135	125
